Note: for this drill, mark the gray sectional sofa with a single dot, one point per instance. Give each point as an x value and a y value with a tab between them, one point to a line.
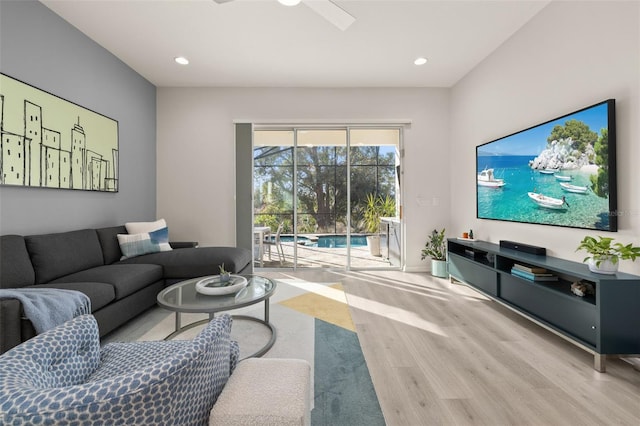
88	260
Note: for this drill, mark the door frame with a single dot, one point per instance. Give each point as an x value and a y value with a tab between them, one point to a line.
244	149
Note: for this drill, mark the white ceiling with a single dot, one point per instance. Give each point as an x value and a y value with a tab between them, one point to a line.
260	43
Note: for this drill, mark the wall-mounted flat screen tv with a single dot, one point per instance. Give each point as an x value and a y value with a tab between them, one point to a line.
561	172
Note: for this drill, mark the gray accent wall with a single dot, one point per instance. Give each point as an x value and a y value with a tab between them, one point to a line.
41	49
244	184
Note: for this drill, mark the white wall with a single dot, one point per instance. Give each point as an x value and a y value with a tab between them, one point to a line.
571	55
196	182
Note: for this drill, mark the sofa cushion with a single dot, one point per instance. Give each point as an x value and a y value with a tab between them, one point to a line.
108	238
56	255
126	279
100	294
196	262
16	269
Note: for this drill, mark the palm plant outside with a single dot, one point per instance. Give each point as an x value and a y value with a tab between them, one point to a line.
377	207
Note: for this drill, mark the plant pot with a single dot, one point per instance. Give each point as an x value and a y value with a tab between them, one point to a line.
439	268
373	242
225	277
606	266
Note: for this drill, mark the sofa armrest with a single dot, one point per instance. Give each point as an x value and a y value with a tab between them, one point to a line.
14	329
183	244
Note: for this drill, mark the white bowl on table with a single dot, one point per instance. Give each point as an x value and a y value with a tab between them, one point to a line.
212	286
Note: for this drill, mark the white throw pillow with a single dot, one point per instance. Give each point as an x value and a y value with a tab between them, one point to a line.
142	227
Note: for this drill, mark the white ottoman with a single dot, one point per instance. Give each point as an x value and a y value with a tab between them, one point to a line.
265	391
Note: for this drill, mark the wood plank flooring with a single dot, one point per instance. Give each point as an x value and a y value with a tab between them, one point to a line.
442	354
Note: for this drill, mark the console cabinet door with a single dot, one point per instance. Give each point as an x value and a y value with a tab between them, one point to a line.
472	273
571	315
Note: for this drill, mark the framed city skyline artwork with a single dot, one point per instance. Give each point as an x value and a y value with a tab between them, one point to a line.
49	142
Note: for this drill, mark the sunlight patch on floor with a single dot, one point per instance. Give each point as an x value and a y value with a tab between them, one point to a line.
328	303
378	308
401	315
419	289
327	290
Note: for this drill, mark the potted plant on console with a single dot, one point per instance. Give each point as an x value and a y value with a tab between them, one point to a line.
436	249
605	254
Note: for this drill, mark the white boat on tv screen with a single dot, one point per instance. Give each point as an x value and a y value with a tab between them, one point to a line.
487	178
547	202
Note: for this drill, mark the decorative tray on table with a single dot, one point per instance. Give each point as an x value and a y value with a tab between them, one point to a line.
213	286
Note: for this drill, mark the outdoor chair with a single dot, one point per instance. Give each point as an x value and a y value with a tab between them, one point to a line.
277	243
62	376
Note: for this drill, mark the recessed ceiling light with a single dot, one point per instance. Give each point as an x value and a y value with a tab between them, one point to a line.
181	60
289	2
420	61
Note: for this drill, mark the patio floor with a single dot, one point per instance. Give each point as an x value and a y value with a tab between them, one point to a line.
320	257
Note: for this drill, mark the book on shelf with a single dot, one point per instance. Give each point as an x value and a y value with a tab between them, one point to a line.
530	269
534	277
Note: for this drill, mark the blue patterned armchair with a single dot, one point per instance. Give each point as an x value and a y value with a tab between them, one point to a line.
63	377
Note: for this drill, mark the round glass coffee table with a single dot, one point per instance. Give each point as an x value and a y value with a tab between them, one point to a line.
182	297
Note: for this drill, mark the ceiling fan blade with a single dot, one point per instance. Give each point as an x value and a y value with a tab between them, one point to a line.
331	12
325	8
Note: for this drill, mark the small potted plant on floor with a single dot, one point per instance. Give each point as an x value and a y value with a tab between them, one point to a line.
605	255
436	249
225	276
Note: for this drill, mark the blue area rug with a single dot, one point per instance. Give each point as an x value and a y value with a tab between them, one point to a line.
344	393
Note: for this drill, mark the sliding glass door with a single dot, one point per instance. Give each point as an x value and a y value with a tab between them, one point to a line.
374	165
314	185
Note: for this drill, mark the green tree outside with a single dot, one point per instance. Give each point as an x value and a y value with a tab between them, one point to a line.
321	184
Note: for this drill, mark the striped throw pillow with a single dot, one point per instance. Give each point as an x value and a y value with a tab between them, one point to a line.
133	245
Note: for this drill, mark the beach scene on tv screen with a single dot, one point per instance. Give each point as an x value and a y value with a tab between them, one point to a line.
556	173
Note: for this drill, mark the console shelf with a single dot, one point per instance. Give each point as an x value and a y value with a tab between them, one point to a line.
603	323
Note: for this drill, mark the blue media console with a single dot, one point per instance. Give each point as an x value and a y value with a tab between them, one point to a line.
603	323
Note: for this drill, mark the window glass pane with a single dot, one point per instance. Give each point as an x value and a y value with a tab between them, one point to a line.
321	180
273	179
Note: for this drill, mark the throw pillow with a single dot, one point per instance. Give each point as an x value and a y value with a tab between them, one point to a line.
142	227
132	245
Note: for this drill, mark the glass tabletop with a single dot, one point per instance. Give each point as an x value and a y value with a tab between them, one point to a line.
183	297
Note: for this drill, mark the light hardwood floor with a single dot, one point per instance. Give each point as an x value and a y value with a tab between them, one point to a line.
442	354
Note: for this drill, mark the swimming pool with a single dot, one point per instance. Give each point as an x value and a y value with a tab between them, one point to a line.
328	241
340	241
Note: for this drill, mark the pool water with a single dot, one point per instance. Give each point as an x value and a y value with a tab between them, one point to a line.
329	241
340	241
289	239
